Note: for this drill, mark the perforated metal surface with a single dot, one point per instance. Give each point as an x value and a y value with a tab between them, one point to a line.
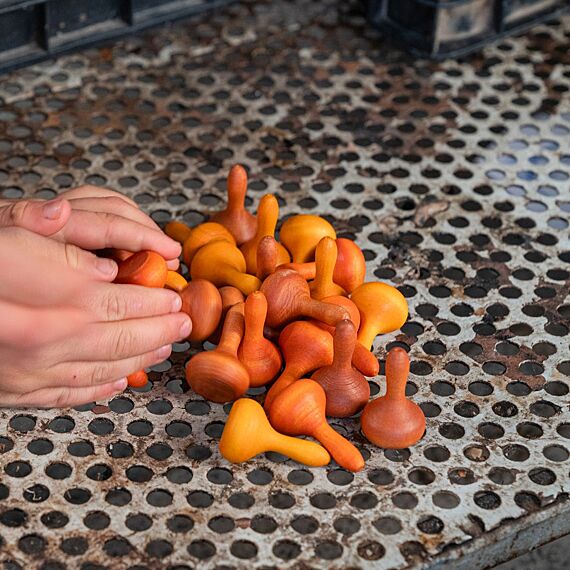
454	179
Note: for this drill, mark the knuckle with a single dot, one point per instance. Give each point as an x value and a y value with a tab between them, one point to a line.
115	305
98	374
62	397
71	255
124	341
17	213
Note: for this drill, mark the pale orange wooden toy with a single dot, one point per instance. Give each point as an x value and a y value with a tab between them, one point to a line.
392	421
300	235
248	433
178	231
235	217
202	235
223	264
383	309
175	281
267	214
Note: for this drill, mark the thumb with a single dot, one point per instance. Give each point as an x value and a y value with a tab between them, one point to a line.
44	218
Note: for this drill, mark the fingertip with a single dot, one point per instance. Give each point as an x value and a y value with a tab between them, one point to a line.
120	385
107	268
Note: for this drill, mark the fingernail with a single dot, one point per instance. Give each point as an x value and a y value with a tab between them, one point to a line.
105	266
186	328
120	385
52	209
176	304
164	351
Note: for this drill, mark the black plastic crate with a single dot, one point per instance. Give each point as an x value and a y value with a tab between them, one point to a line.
448	28
34	30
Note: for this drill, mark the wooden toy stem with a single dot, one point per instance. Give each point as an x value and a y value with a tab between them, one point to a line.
397	371
342	451
237	188
266	257
344	342
233	330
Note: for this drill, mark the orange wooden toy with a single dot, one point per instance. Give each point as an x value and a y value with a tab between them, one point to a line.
218	375
248	433
146	268
392	421
203	303
137	379
305	348
288	298
325	259
350	266
300	410
178	231
260	356
266	257
346	389
235	217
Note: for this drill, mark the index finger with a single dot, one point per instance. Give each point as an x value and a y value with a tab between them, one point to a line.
99	230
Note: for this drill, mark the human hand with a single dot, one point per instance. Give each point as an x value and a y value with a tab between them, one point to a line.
67	334
91	218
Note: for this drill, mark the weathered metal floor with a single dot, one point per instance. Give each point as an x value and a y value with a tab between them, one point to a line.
453	177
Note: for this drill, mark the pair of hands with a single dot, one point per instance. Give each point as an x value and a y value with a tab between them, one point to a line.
68	335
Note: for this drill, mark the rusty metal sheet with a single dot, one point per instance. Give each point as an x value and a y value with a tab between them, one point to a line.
454	179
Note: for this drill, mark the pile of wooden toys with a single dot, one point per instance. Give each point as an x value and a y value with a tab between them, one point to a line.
294	314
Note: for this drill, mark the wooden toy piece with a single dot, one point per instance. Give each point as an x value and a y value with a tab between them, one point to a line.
301	234
362	359
248	433
260	356
202	235
392	421
137	379
222	263
325	259
230	297
235	217
267	214
119	255
146	268
300	410
266	257
383	309
306	270
202	302
288	298
175	281
305	348
350	267
178	231
346	389
218	375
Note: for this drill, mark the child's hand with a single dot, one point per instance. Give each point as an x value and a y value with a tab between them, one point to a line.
69	336
91	218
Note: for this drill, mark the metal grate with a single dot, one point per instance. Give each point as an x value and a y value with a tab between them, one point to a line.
454	179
